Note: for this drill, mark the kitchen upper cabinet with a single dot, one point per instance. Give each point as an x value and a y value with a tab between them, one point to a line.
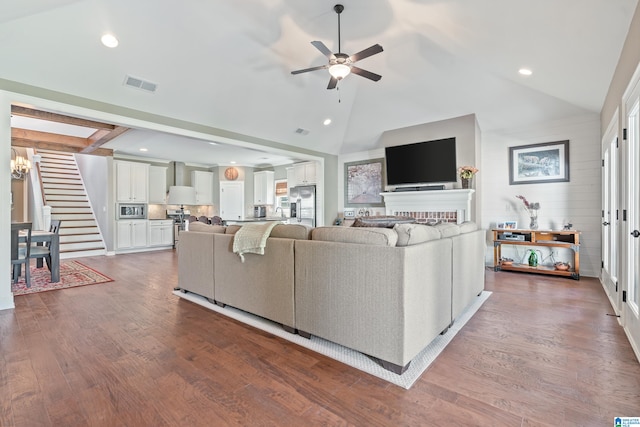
304	173
132	181
157	184
203	183
263	188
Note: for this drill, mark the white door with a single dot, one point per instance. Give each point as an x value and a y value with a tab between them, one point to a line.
610	213
631	232
231	200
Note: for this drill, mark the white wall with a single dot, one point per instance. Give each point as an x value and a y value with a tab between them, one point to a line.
96	173
578	201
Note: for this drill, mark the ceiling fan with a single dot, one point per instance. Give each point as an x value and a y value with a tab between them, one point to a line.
340	64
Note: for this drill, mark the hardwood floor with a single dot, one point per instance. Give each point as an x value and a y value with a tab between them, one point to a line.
540	351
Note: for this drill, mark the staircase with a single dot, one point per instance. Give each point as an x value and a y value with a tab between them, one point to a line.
63	190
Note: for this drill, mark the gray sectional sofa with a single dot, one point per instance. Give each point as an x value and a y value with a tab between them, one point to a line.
384	292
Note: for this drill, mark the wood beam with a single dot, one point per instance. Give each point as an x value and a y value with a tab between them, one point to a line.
49	141
101	137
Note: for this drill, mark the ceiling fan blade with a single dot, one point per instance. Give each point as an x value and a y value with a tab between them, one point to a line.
332	83
323	48
376	48
306	70
367	74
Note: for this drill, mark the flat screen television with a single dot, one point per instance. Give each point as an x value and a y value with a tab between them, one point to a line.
422	162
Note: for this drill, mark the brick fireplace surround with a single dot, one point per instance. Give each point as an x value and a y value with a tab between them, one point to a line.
431	206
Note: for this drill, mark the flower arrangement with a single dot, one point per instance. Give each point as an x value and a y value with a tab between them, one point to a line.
467	172
532	208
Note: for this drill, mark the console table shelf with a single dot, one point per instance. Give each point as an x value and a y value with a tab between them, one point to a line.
537	239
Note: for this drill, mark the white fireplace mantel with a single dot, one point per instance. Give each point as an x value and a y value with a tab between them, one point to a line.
458	200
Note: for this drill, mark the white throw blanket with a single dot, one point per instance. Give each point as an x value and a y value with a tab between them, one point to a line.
252	238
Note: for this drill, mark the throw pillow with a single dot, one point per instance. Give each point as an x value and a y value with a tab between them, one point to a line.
382	221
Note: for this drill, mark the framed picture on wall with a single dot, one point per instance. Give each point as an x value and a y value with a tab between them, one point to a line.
363	183
539	163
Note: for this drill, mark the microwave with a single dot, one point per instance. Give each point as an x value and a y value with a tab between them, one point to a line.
132	211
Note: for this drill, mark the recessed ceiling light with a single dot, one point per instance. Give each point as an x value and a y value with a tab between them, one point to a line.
326	122
525	71
109	40
233	162
144	149
213	143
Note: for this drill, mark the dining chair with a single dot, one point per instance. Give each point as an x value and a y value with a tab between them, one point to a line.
216	220
20	253
204	219
44	251
192	218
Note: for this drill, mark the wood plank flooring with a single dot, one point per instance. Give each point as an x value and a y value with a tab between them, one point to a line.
541	351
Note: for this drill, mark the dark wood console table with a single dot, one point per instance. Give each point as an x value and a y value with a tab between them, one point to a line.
536	239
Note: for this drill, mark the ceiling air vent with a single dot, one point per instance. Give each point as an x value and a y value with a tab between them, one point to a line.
140	84
301	131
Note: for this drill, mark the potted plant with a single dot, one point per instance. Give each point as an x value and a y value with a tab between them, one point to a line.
466	175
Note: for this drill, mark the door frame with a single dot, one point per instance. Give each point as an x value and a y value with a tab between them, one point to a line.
610	214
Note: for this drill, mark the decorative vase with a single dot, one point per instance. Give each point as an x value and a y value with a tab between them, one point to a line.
533	225
533	258
466	182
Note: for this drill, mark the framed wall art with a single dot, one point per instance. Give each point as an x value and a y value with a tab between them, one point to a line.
363	183
539	163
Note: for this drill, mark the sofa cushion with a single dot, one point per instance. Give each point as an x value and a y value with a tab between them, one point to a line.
412	234
467	227
448	229
382	221
206	228
291	231
363	236
232	229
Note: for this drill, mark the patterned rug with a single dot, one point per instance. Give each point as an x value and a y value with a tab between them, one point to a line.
72	274
345	355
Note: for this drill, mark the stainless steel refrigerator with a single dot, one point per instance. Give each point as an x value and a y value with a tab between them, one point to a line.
303	205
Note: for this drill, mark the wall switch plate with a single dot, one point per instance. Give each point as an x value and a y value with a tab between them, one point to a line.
349	213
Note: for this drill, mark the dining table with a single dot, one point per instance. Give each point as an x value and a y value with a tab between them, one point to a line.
52	239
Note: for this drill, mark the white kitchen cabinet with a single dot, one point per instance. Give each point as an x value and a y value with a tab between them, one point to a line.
203	183
131	234
291	178
132	181
304	173
263	188
158	184
160	232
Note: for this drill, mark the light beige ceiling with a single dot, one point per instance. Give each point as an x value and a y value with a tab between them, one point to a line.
226	64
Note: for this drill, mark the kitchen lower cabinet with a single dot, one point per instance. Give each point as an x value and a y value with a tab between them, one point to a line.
160	233
131	234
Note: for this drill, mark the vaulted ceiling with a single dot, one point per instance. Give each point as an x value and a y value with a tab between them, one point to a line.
227	64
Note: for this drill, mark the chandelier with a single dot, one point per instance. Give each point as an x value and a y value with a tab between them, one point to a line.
20	166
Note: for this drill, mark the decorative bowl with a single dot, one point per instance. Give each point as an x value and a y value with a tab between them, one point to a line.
562	266
507	262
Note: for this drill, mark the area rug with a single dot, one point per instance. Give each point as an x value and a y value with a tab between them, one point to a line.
72	274
345	355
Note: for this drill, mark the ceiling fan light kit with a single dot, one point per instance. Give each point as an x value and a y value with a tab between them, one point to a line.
340	64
